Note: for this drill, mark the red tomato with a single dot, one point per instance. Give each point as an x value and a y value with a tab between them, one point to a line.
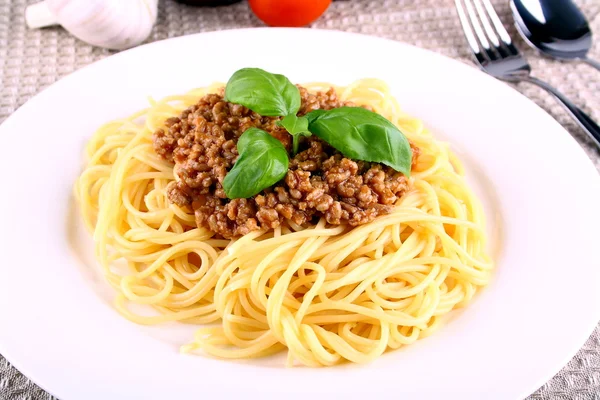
288	12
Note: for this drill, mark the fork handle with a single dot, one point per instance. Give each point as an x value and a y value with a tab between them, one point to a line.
585	121
591	62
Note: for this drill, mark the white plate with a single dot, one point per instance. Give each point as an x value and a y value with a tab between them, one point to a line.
540	192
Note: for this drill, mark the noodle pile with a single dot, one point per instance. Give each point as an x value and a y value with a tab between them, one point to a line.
323	293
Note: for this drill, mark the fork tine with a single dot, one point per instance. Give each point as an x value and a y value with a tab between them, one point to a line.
504	36
483	16
476	25
469	34
501	59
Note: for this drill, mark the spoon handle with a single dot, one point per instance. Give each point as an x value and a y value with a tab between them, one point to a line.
591	62
585	121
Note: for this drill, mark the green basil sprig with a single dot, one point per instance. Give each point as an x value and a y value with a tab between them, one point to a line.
357	133
265	93
361	134
296	126
263	161
268	94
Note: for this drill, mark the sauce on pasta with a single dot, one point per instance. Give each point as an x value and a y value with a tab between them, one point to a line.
324	293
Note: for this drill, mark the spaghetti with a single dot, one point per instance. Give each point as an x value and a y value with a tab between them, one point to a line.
323	293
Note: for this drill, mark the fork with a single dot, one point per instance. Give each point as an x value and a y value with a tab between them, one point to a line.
495	54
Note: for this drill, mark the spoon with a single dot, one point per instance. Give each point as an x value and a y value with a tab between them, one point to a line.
556	28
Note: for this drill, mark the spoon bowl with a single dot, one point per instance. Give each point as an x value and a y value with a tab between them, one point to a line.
557	28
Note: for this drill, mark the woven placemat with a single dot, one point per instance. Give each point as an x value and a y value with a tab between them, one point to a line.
32	60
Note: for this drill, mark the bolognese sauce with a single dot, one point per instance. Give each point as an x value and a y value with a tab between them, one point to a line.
320	181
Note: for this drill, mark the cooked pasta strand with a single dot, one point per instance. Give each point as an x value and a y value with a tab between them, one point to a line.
324	293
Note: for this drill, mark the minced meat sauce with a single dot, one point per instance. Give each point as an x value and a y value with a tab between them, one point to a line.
320	182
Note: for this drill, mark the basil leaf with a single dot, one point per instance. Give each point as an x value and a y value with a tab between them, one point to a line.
296	126
263	161
268	94
361	134
311	116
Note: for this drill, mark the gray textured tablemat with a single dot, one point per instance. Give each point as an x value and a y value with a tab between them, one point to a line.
32	60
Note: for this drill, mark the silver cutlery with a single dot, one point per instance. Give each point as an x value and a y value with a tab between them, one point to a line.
556	28
495	54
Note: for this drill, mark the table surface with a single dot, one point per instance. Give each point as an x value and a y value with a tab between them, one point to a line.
30	60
